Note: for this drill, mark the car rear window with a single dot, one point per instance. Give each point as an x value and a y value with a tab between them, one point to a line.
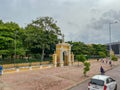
97	82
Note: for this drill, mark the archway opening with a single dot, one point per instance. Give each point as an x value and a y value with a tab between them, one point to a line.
65	58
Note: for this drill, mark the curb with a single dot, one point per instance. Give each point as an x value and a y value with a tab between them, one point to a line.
25	69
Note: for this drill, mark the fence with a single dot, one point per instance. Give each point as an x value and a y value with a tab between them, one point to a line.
22	62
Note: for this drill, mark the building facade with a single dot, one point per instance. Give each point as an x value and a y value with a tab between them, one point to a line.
115	46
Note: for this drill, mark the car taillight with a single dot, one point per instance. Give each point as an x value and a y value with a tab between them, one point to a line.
89	84
105	87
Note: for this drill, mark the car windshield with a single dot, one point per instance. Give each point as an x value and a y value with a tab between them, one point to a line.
97	82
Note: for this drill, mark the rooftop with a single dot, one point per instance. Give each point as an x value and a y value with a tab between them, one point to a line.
100	77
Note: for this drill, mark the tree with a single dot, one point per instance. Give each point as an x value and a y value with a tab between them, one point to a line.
10	33
81	58
99	48
114	58
7	38
41	33
79	47
86	68
90	50
102	54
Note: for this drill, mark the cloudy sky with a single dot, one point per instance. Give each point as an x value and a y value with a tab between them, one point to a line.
80	20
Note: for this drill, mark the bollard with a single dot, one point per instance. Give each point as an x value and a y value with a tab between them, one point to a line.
17	69
41	67
30	68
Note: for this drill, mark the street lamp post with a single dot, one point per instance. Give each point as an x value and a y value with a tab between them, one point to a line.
15	47
110	46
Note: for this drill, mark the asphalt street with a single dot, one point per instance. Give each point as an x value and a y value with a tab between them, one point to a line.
114	73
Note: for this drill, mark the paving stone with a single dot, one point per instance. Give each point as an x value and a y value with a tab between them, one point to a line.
49	79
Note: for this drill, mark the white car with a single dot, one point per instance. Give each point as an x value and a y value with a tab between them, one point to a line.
102	82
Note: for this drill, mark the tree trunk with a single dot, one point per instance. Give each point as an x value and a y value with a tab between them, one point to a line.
12	58
42	57
3	57
78	63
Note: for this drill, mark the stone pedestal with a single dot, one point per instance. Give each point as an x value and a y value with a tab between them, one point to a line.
40	66
61	65
17	69
55	64
1	72
30	68
69	64
49	66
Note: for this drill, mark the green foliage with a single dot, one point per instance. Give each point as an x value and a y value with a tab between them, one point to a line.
86	68
20	51
90	50
37	56
41	34
114	58
38	37
79	47
17	67
9	37
81	58
102	54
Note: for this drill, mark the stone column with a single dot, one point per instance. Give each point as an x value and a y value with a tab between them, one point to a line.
55	60
61	57
72	57
69	56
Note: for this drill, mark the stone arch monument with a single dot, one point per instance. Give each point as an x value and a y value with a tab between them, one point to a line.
63	56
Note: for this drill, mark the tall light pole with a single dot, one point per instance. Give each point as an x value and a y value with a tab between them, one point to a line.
110	46
15	47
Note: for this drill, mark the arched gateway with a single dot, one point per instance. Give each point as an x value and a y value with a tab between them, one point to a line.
63	55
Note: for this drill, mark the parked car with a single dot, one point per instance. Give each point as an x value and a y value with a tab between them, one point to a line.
102	82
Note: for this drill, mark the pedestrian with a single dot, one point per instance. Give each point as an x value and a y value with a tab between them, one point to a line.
102	70
97	59
110	63
1	70
102	60
106	61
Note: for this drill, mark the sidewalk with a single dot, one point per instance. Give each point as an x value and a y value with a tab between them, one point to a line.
59	78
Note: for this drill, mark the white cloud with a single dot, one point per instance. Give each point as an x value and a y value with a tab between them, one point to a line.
80	20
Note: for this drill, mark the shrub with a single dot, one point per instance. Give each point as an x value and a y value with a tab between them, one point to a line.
114	58
81	58
86	68
102	54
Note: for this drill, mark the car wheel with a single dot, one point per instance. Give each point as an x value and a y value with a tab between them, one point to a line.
115	87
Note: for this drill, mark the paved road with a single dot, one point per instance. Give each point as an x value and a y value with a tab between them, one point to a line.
114	73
